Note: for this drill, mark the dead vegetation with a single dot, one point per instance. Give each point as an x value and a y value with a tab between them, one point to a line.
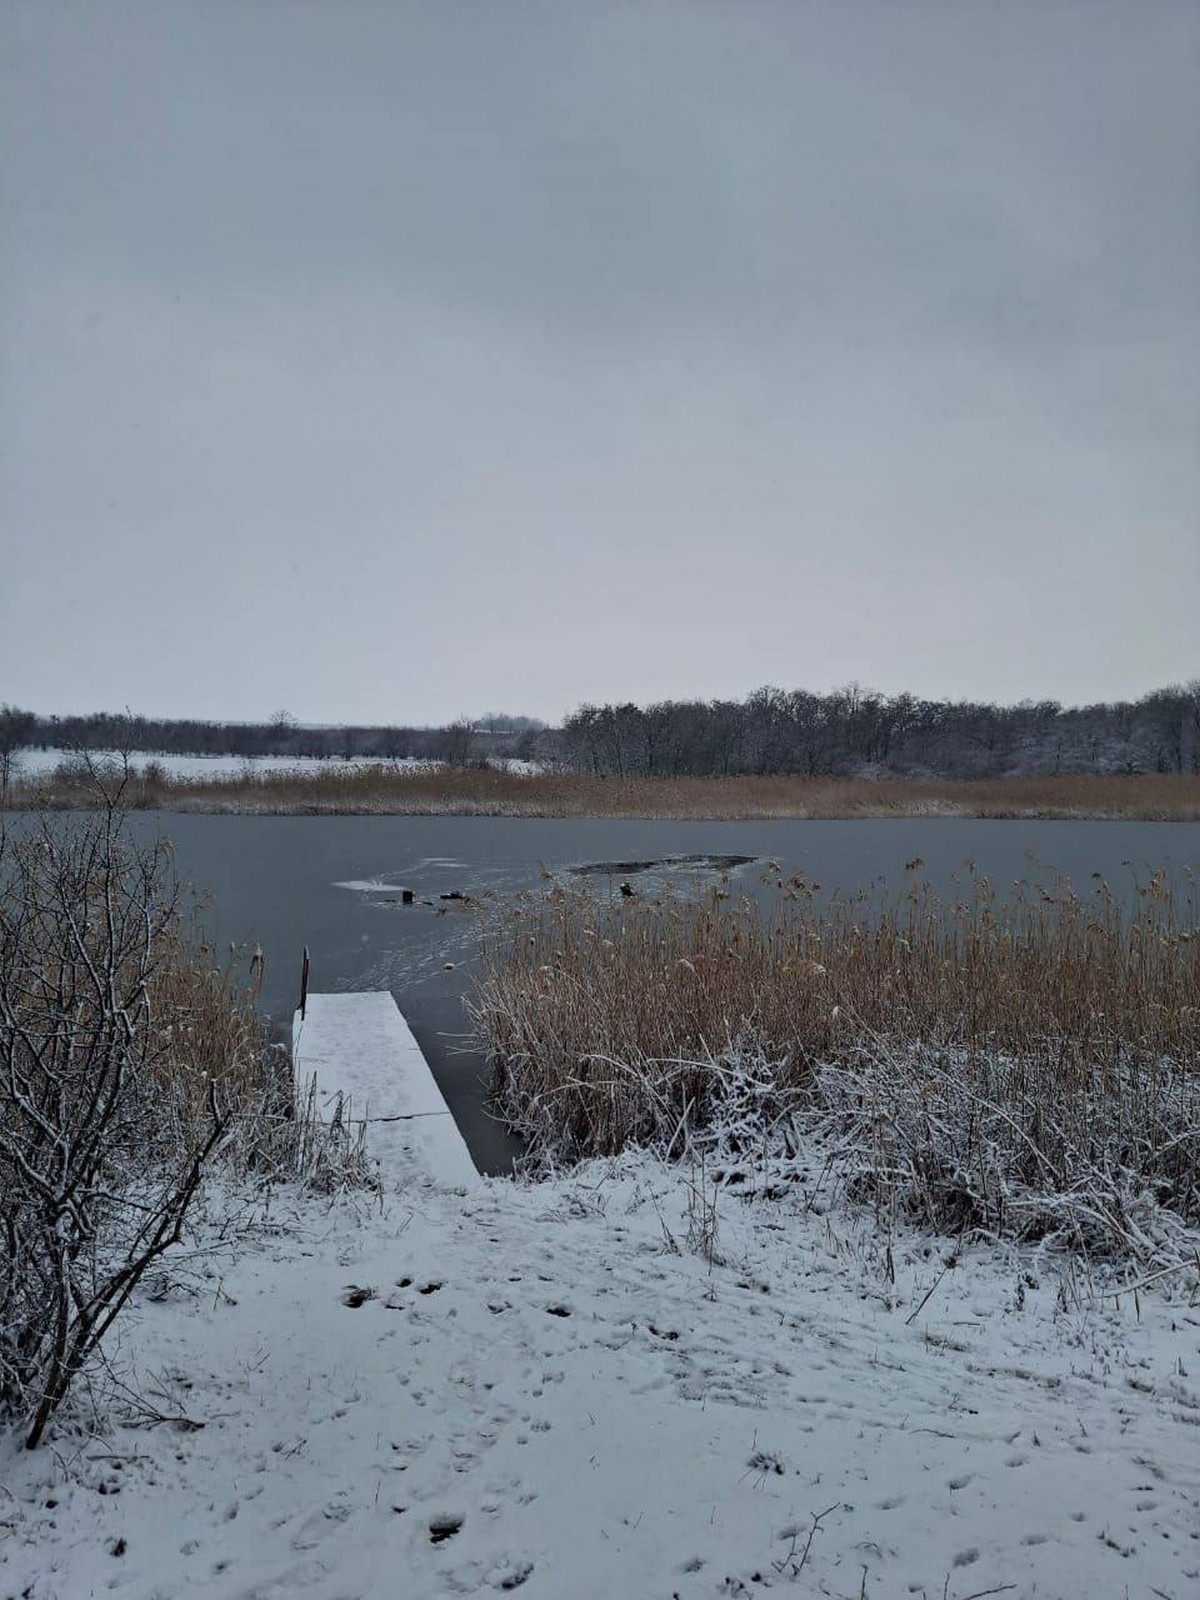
131	1062
482	791
1029	1066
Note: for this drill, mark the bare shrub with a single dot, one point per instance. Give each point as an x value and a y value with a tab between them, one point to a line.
127	1062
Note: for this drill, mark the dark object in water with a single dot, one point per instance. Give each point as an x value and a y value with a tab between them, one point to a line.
453	894
406	897
627	890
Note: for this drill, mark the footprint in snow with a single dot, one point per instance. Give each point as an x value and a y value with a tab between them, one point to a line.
315	1527
508	1574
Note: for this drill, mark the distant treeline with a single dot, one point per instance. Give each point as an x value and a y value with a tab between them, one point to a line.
856	731
778	732
492	736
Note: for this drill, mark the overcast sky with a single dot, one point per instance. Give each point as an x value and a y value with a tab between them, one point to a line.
395	361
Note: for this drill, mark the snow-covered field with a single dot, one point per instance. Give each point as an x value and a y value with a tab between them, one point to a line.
33	763
547	1388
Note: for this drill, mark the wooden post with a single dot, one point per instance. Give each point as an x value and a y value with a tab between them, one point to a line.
304	984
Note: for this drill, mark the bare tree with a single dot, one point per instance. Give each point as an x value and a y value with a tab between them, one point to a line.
96	1174
459	741
16	730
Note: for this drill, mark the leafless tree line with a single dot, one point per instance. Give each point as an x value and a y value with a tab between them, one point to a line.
854	730
495	735
773	731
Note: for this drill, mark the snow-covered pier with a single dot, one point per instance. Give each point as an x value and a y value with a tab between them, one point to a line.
360	1050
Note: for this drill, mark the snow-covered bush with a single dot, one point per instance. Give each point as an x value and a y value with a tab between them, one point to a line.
127	1062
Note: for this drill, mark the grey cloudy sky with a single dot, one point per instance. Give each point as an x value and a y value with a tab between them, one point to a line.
394	361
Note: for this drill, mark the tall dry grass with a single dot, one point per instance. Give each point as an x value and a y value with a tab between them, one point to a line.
216	1040
484	792
1003	1065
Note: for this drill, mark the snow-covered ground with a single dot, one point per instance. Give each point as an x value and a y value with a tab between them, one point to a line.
547	1388
36	762
31	763
520	769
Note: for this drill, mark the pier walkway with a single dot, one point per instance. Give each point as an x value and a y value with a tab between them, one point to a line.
359	1048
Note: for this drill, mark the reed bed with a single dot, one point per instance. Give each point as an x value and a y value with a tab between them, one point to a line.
474	791
1028	1066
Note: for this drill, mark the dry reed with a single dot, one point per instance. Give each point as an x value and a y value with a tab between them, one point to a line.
1002	1065
485	792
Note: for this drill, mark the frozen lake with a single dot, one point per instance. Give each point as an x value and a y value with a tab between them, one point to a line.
334	884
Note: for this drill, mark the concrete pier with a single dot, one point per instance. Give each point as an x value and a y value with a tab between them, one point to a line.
359	1049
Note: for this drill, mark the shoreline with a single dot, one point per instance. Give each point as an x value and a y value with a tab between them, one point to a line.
606	1407
465	792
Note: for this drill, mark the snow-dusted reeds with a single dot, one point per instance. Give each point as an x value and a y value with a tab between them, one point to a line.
485	791
1027	1067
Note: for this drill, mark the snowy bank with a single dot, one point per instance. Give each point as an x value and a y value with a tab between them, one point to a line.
543	1388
